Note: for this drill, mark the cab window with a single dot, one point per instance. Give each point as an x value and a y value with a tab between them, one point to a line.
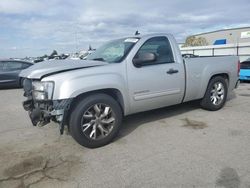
160	47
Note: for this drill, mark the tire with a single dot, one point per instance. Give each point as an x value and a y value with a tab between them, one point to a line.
95	121
215	98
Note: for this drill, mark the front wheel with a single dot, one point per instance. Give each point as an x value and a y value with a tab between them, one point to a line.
216	94
95	120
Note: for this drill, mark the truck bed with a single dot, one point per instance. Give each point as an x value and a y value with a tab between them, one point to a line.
200	69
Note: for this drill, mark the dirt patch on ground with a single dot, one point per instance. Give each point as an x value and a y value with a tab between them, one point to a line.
229	178
235	132
25	167
244	95
194	124
163	122
35	170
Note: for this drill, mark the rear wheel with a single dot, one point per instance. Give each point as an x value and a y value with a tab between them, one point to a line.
216	94
95	121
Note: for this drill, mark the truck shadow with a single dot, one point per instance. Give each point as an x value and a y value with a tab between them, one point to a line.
132	122
10	87
231	96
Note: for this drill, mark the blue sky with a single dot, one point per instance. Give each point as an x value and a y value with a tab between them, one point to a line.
36	27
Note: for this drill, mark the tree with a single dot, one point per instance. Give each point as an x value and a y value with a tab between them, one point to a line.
90	48
193	41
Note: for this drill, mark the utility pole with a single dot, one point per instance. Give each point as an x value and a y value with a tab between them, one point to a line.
236	42
76	40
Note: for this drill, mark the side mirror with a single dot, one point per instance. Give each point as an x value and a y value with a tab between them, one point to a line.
144	58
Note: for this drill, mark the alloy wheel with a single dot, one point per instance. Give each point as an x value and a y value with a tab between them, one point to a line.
97	121
217	93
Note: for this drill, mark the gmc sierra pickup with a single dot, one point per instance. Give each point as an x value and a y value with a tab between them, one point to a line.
123	77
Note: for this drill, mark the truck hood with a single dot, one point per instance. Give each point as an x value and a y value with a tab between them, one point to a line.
45	68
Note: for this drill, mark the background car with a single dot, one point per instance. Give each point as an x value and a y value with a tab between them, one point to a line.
189	55
9	72
245	70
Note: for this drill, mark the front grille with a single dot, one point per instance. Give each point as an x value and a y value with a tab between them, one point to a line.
62	104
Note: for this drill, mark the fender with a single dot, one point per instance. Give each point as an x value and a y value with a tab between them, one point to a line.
73	87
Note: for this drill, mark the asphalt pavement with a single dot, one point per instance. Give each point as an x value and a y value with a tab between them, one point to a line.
178	146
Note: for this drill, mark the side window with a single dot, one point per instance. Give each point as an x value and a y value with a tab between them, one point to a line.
12	65
1	66
160	47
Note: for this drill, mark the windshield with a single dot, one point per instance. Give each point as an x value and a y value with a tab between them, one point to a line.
114	51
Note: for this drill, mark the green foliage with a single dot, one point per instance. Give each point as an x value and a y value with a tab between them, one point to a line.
194	41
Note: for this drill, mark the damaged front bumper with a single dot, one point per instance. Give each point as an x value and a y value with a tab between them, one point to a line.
41	112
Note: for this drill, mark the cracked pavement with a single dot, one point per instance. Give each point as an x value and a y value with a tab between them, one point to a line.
179	146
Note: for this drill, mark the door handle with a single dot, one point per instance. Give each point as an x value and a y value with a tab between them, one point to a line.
172	71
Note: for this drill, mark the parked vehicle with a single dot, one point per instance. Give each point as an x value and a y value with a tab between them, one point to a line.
245	70
38	60
9	72
123	77
189	55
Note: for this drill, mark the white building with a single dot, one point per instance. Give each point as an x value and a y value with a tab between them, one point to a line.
227	36
235	41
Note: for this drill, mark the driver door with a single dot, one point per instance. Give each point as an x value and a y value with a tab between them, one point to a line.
158	83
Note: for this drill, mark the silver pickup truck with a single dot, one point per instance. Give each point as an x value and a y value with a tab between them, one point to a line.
123	77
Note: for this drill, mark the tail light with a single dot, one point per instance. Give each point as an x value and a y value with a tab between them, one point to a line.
238	67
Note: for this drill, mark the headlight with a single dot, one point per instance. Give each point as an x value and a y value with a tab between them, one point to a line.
42	90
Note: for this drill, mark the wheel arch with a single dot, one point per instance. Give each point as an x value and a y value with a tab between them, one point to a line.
112	92
224	75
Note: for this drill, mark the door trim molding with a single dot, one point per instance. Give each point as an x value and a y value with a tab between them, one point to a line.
143	96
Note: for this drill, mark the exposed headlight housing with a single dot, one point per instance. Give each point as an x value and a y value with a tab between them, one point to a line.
42	90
